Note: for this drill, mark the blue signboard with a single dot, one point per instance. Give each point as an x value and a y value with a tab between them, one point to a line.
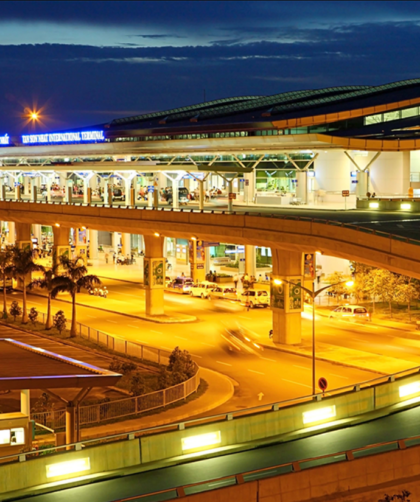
150	188
4	140
63	137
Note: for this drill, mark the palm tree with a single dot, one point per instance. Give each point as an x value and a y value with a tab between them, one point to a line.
73	280
48	282
5	262
22	265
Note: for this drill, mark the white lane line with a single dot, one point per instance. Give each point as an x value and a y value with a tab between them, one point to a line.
297	383
339	376
166	348
35	303
226	364
208	344
158	332
195	355
131	326
258	372
181	338
267	359
301	367
115	322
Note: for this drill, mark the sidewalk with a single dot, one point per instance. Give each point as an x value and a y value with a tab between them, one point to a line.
220	390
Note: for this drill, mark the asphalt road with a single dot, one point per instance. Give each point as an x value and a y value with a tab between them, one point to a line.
277	375
398	426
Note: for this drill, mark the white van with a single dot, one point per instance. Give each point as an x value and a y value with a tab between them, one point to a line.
202	289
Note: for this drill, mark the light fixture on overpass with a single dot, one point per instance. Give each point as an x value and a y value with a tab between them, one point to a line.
409	389
157	234
201	441
57	224
319	414
313	294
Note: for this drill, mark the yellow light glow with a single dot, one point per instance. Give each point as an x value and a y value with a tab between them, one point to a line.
157	234
70	467
318	252
373	205
409	389
319	414
34	116
278	282
405	206
193	238
349	284
210	439
57	224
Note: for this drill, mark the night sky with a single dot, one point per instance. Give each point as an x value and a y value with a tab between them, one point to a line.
86	63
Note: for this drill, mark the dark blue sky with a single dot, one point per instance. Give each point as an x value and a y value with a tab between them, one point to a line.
90	62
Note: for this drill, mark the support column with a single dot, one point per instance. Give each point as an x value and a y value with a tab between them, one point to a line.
36	230
23	235
70	423
61	243
302	186
197	260
286	300
154	274
362	178
25	403
175	193
68	191
115	242
250	264
93	244
11	234
81	243
126	244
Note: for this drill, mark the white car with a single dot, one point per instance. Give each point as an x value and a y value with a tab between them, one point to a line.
255	298
350	313
202	289
223	293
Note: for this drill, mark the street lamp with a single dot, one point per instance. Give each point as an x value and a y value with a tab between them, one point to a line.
313	294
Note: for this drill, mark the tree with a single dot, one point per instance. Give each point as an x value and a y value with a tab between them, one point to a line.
22	265
73	280
15	310
382	285
338	290
403	497
48	282
60	321
137	384
33	315
361	288
406	293
181	365
5	262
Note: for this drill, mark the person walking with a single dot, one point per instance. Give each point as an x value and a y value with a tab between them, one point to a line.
113	257
236	280
106	258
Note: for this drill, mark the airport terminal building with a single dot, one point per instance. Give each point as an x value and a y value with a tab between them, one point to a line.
301	146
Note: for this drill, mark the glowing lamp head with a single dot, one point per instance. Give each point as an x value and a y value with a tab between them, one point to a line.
278	282
34	116
349	284
157	234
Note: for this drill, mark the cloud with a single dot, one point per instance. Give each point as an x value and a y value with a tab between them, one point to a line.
167	35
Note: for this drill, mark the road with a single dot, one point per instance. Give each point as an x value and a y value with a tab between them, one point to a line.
278	375
398	426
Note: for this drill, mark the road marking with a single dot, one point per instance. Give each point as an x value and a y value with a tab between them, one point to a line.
301	367
36	303
226	364
131	326
158	332
181	338
258	372
195	355
297	383
267	359
203	343
339	376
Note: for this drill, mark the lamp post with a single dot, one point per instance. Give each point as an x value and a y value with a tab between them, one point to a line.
313	294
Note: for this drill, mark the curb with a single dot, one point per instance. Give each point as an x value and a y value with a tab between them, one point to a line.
185	319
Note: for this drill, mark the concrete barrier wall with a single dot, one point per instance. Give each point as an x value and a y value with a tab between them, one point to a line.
108	457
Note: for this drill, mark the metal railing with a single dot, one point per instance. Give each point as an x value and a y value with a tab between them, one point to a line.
349	226
102	412
278	470
270	408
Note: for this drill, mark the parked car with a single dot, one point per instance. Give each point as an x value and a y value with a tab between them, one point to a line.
255	298
223	293
183	195
181	284
202	289
350	313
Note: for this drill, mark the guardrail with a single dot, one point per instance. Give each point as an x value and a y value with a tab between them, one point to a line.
350	226
98	413
278	470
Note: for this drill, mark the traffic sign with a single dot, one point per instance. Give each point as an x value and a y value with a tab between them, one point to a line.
345	193
150	188
247	183
232	196
323	384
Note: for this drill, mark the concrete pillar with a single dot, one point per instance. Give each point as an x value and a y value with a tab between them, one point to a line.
48	182
23	235
302	186
26	183
175	198
126	244
154	274
61	242
69	191
390	174
207	263
229	190
362	186
286	299
11	234
115	241
197	260
36	230
2	194
93	244
332	171
25	403
70	423
250	260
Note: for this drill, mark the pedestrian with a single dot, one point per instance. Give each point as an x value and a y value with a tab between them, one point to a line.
236	280
113	257
106	258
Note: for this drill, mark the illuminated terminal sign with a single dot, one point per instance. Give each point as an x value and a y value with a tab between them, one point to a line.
4	140
63	137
